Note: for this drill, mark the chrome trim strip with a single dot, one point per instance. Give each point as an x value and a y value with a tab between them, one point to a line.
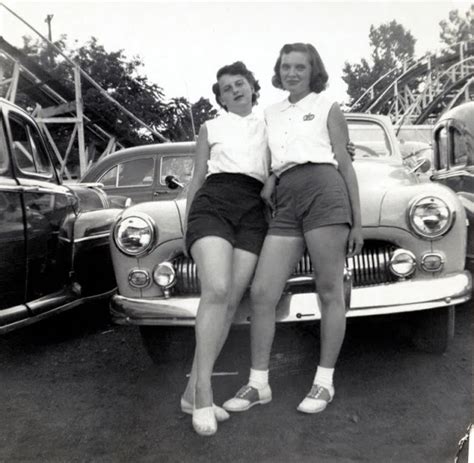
70	305
14	188
86	238
404	296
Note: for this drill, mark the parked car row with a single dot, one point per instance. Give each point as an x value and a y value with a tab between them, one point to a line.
54	238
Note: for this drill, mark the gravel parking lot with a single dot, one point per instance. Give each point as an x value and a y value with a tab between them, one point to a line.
79	389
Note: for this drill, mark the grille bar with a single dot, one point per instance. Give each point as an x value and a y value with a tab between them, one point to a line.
368	268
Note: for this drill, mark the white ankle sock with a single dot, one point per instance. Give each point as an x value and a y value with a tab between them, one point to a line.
323	377
258	378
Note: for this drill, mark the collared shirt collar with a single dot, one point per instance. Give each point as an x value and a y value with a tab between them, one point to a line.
305	104
249	117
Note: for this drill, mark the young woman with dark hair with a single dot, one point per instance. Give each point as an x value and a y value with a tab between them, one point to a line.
225	227
316	206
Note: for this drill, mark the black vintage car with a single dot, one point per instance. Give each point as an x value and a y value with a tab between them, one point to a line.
454	160
54	251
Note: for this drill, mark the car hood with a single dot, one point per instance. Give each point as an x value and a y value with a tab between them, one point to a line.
375	179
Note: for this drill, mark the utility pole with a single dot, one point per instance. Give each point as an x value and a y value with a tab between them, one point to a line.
48	20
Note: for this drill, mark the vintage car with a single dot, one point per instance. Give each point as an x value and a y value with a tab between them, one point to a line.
54	251
454	160
412	260
140	173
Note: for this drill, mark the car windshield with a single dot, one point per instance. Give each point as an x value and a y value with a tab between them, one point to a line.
370	140
415	141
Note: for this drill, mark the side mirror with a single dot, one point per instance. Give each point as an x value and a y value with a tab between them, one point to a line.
173	183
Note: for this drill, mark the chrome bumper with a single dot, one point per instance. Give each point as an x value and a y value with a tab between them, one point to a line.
405	296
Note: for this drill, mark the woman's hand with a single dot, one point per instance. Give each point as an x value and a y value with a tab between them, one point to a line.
355	241
351	149
267	192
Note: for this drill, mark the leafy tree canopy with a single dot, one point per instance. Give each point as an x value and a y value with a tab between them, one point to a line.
391	45
122	79
457	28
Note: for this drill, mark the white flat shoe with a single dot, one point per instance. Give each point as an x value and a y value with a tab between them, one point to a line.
221	414
204	421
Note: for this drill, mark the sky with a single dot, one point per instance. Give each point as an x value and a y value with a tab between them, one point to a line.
183	44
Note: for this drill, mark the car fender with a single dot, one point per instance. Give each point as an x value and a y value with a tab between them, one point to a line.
167	219
395	213
90	197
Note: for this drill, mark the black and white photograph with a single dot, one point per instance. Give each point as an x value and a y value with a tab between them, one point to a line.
236	231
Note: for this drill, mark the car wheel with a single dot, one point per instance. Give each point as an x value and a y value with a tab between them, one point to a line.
166	344
434	329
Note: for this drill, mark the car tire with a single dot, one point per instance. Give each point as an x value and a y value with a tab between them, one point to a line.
165	344
434	329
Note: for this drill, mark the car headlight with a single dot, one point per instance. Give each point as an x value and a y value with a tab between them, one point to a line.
402	263
164	275
430	217
135	235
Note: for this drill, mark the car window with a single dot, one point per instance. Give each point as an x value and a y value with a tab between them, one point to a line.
460	148
180	167
442	144
42	161
370	139
138	172
3	150
28	150
109	178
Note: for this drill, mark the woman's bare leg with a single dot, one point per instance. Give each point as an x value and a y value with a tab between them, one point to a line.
243	266
213	257
278	259
327	248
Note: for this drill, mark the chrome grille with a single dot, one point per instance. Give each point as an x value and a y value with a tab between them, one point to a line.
368	268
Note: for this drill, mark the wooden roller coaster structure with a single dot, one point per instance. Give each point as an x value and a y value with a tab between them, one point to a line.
57	102
419	91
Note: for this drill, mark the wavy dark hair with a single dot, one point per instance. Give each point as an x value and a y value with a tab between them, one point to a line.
319	76
236	69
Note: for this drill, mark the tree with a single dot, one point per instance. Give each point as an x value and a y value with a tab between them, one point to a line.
178	118
391	46
122	79
457	28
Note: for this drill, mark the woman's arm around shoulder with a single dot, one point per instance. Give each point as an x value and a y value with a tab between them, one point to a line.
339	135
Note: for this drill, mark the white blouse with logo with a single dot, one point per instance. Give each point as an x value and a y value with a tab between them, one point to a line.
238	145
298	133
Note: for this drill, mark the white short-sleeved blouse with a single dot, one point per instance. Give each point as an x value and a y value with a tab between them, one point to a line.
238	145
298	133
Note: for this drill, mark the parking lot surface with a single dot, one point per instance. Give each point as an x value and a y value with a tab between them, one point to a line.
79	389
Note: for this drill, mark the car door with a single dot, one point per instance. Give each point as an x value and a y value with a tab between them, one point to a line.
12	240
180	166
133	179
46	204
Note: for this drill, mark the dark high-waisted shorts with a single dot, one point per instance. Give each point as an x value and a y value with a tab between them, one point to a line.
229	206
310	196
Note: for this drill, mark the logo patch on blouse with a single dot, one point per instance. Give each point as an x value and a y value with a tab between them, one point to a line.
308	117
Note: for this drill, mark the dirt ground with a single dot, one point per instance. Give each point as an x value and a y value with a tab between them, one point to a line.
79	389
